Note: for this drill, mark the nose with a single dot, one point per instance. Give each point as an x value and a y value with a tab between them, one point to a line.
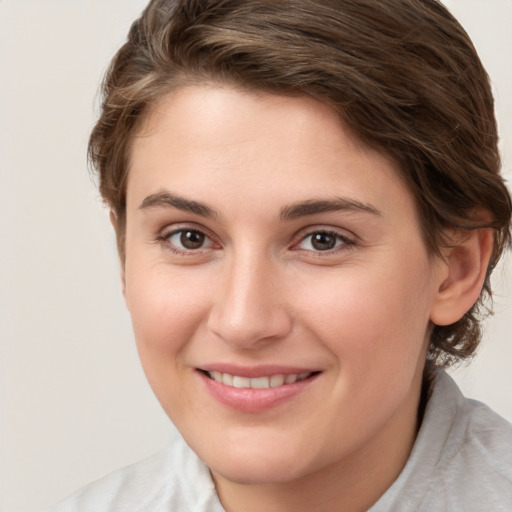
249	308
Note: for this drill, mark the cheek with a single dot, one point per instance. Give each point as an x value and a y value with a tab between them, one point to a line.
377	320
165	317
166	308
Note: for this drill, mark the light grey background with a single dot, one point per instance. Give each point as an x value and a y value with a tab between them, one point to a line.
74	403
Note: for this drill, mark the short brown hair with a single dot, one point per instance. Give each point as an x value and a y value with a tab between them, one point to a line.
403	75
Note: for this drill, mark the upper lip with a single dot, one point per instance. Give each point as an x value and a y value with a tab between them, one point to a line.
266	370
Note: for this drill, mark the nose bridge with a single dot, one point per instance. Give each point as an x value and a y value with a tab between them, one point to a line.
249	307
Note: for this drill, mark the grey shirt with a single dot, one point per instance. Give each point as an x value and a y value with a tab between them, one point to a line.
461	462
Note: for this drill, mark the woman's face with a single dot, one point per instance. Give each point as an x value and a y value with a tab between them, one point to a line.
278	284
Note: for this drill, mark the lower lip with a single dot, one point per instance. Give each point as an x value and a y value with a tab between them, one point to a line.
254	400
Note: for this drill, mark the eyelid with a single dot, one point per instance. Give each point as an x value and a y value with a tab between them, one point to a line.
173	229
341	234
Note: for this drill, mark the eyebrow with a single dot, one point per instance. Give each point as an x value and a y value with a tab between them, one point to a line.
290	212
180	203
311	207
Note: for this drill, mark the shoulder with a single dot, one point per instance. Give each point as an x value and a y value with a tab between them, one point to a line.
477	463
474	451
476	434
172	479
461	459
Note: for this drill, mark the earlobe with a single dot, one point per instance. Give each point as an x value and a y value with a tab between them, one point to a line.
466	263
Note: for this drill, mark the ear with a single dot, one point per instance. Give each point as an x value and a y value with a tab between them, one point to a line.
465	268
113	221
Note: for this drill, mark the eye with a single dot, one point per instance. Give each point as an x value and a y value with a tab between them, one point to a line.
323	241
187	240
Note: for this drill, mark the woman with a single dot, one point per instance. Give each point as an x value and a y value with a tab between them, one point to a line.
308	207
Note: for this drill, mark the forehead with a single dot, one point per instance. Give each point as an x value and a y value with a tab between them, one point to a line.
205	109
208	138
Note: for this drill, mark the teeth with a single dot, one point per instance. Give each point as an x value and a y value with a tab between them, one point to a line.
260	383
226	379
241	382
273	381
276	380
216	376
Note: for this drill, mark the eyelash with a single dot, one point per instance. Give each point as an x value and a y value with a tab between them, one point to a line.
342	242
165	239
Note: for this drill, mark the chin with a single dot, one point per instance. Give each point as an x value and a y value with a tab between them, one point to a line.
259	466
255	473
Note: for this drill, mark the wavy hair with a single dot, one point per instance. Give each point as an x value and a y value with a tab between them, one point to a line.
402	74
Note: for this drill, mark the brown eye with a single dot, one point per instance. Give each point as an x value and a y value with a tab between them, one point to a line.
323	241
191	239
185	240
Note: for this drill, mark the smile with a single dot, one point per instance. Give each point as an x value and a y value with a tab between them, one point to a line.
272	381
256	389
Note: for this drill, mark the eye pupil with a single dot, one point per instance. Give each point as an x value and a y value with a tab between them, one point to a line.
323	241
192	239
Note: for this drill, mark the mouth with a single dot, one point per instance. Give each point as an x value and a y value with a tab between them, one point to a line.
264	382
257	388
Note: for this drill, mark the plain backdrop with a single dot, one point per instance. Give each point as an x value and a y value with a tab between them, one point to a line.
74	403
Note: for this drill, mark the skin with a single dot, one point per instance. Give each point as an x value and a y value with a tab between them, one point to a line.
258	291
